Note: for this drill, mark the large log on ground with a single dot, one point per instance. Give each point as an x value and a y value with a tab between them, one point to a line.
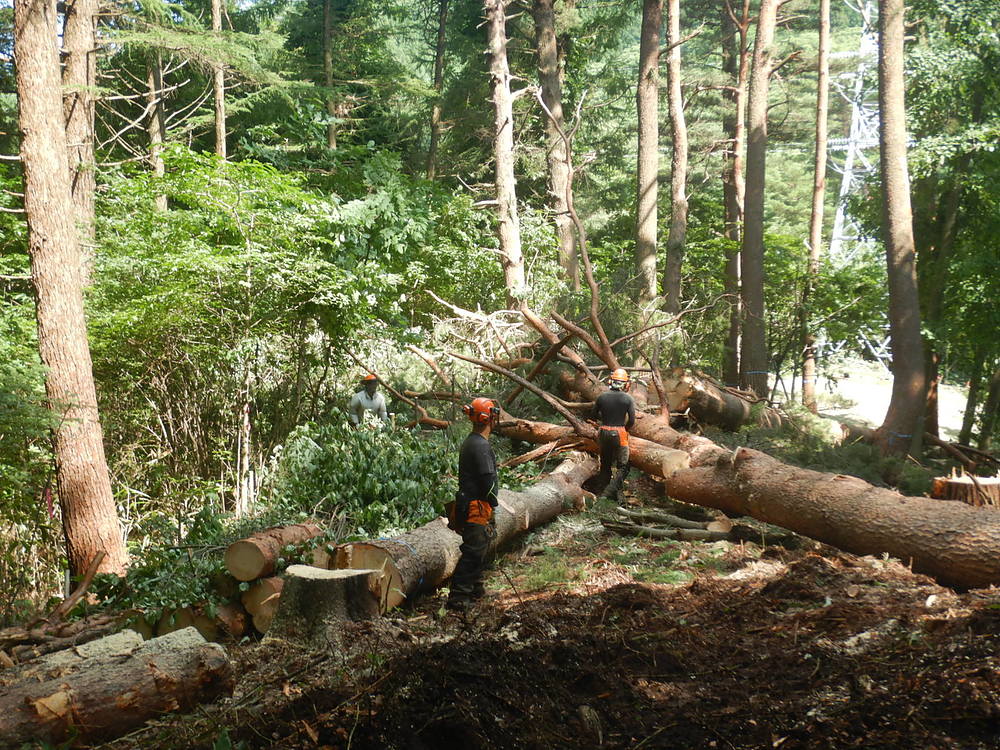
314	602
424	558
256	556
955	543
710	403
107	695
261	601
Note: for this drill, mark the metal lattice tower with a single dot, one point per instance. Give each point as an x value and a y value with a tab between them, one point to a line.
855	157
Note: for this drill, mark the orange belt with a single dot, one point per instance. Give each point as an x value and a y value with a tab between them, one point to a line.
622	433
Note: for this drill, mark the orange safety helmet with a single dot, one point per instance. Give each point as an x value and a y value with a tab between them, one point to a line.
368	378
482	410
619	379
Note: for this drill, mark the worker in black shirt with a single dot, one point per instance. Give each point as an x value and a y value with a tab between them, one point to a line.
615	411
471	515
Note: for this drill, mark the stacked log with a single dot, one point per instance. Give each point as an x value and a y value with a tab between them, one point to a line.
257	555
425	558
110	687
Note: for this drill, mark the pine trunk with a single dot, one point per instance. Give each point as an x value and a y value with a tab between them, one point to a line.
331	104
972	400
991	410
156	127
735	62
219	86
902	426
90	519
439	50
679	164
753	355
508	223
818	200
79	80
648	159
550	82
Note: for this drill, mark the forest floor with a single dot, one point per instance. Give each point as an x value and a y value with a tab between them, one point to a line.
592	640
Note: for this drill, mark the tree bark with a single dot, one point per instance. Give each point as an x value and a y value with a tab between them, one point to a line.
972	400
424	558
79	80
679	163
219	86
90	520
109	695
648	158
550	82
737	65
331	105
900	428
156	127
753	355
991	409
255	556
315	602
439	50
818	201
508	223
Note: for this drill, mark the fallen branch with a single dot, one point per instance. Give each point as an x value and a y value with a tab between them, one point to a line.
651	516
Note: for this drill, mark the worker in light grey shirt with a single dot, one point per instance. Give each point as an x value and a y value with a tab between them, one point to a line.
367	400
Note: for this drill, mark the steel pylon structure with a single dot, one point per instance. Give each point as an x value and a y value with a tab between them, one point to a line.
856	156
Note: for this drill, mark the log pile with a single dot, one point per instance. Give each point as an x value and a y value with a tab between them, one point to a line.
109	687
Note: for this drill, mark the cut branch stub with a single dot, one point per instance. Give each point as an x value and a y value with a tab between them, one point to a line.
257	555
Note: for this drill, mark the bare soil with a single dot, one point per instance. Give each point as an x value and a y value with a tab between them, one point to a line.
774	648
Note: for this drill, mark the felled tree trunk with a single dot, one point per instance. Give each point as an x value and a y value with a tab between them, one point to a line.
426	557
955	543
256	556
709	404
110	694
315	601
261	601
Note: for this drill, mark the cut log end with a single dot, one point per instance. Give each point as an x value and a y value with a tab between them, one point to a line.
387	580
245	560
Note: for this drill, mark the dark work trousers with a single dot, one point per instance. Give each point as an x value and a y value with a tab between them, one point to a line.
614	463
467	580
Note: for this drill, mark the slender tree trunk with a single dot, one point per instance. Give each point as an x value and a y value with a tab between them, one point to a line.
156	127
550	81
90	520
972	401
753	357
991	410
737	65
439	49
331	105
508	223
679	163
219	86
819	198
79	80
902	425
648	166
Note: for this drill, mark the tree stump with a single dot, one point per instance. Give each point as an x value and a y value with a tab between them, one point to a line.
977	491
115	690
257	555
315	601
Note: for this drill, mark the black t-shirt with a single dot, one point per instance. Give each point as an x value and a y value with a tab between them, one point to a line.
477	470
614	409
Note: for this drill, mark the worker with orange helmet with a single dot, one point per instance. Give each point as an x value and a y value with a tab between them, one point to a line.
615	411
471	515
367	400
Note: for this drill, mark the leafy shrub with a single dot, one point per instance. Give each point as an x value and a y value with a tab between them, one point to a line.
380	480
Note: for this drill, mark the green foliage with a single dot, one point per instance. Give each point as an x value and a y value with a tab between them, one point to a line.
381	481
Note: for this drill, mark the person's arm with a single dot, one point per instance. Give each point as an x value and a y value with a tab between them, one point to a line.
382	413
595	410
630	414
487	482
354	410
